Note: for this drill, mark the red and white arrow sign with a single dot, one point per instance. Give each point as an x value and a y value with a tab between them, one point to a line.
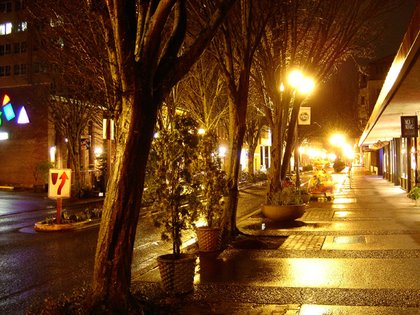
59	183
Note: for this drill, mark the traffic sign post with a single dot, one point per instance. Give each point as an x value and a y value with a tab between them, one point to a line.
59	187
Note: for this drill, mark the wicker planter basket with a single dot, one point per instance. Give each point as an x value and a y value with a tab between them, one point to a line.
209	238
177	273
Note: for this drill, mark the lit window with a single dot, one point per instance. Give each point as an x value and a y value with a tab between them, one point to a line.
4	136
21	26
5	28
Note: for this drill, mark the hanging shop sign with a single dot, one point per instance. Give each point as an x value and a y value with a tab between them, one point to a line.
409	126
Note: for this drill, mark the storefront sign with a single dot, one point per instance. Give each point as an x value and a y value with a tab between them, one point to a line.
409	126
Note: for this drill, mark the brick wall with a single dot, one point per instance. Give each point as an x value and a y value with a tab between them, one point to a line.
27	145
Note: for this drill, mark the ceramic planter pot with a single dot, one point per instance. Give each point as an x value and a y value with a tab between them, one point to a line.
283	212
177	273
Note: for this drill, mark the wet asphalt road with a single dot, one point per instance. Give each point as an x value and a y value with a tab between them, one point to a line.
35	265
38	265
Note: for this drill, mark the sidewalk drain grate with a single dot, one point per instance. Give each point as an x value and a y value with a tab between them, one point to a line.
303	242
349	239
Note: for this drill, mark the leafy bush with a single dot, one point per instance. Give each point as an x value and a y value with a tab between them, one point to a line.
289	196
172	186
338	166
212	180
414	193
307	168
68	217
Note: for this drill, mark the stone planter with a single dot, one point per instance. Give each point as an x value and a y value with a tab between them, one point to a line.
283	212
42	226
177	273
208	238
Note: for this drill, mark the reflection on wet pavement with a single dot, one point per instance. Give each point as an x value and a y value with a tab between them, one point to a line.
237	266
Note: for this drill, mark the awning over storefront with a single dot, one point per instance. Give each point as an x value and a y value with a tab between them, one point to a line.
400	94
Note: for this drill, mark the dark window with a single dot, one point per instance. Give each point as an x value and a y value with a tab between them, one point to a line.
36	67
7	71
1	71
19	69
6	6
19	5
1	50
7	49
16	48
23	47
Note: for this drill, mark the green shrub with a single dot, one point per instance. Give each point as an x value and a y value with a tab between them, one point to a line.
338	166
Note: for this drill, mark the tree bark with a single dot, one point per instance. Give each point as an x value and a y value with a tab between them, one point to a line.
231	202
112	272
149	63
290	139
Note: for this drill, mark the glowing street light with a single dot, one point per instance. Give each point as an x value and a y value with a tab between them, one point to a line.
295	77
300	82
337	140
307	85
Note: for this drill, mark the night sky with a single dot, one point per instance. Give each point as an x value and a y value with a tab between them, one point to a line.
333	103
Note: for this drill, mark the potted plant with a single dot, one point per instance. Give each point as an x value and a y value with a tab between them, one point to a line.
174	194
285	205
213	187
414	194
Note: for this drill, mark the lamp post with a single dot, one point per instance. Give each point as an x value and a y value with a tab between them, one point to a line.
303	85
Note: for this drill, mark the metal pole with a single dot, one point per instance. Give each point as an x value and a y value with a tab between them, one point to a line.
58	214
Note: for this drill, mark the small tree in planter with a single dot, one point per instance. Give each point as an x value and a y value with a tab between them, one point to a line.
414	193
174	191
213	187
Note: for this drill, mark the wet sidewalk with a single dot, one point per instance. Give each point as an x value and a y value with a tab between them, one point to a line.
356	254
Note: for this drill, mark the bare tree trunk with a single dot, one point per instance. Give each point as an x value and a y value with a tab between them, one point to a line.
290	138
112	272
276	161
251	152
237	126
149	63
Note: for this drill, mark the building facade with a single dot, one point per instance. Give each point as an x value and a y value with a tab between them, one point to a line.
29	147
390	139
23	80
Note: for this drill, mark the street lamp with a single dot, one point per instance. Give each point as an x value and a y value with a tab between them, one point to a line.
304	85
300	82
